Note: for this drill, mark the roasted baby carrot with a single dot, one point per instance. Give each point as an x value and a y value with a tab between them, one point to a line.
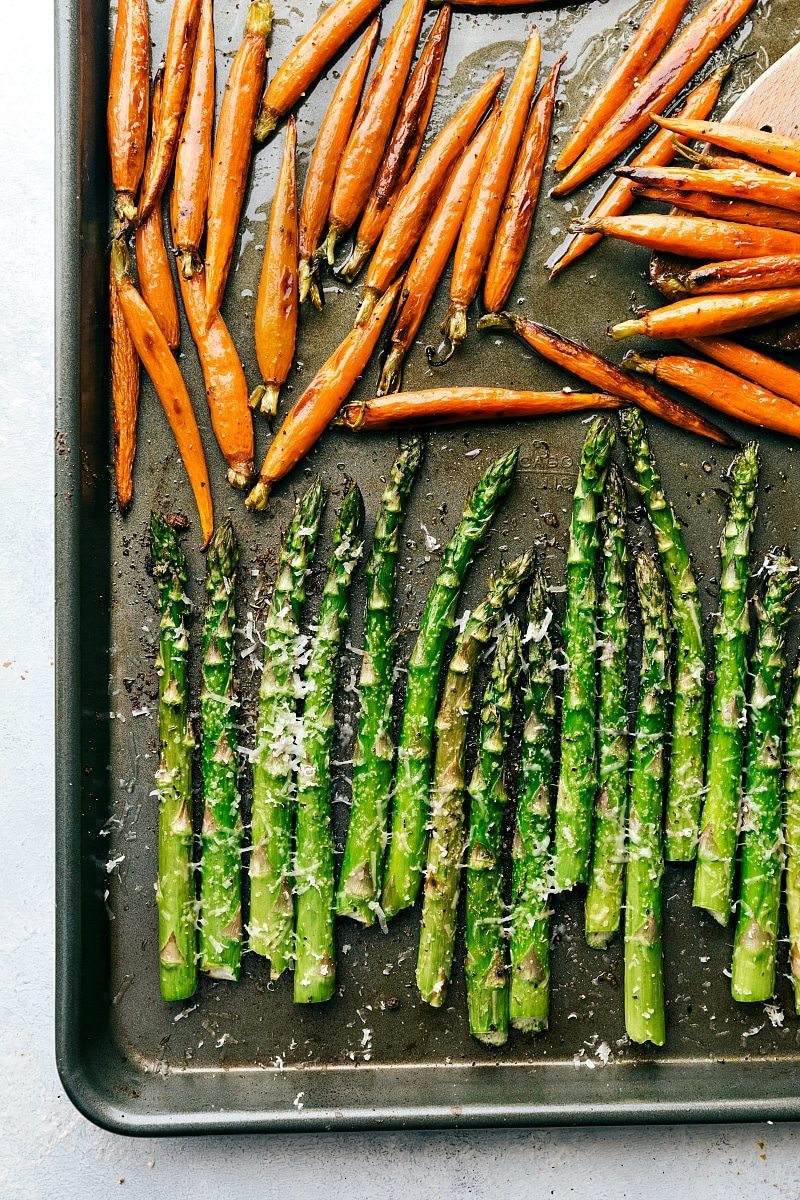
723	162
277	304
457	405
601	373
774	149
776	376
193	156
723	390
430	258
233	148
695	237
308	418
662	83
373	125
309	58
164	372
483	211
175	92
152	259
404	145
741	275
128	97
124	398
659	151
418	199
655	30
519	208
328	149
756	184
743	212
704	316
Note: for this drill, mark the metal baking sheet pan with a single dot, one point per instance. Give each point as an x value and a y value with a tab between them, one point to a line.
244	1057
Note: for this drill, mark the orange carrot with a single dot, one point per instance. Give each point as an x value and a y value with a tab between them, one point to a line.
233	148
601	373
404	145
457	405
774	149
309	58
695	237
723	390
128	96
780	191
777	376
709	315
723	162
125	398
328	149
152	260
741	211
168	382
276	306
655	30
419	197
685	56
308	418
373	125
486	201
741	275
193	156
659	151
519	209
177	76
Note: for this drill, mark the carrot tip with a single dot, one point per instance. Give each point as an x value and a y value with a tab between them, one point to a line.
392	373
266	124
268	404
125	209
240	474
626	329
257	499
355	263
496	320
634	362
304	275
371	298
256	396
454	326
328	247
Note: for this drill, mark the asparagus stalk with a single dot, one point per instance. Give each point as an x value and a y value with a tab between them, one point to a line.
175	886
685	788
315	968
221	835
446	844
360	876
792	833
644	964
578	778
271	904
607	873
406	854
486	960
755	943
529	1002
717	846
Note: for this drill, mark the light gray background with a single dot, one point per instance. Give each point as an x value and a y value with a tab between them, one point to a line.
46	1148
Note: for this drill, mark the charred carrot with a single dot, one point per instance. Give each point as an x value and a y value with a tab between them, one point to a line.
373	125
705	316
309	58
430	259
308	418
233	148
328	149
759	368
659	151
404	145
602	374
418	199
276	306
741	275
740	211
193	156
152	260
459	405
128	97
178	59
519	208
780	191
653	34
483	211
695	237
722	390
124	398
774	149
168	382
676	67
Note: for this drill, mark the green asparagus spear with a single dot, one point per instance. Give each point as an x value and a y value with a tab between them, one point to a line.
717	846
578	779
221	835
271	902
755	944
644	964
406	854
360	877
315	968
446	844
486	961
686	762
529	1003
792	833
607	874
175	887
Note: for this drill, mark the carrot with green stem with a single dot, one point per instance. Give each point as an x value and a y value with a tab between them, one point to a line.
193	156
152	260
774	149
759	368
128	101
702	204
779	191
704	316
740	275
124	398
462	405
277	302
694	237
325	158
